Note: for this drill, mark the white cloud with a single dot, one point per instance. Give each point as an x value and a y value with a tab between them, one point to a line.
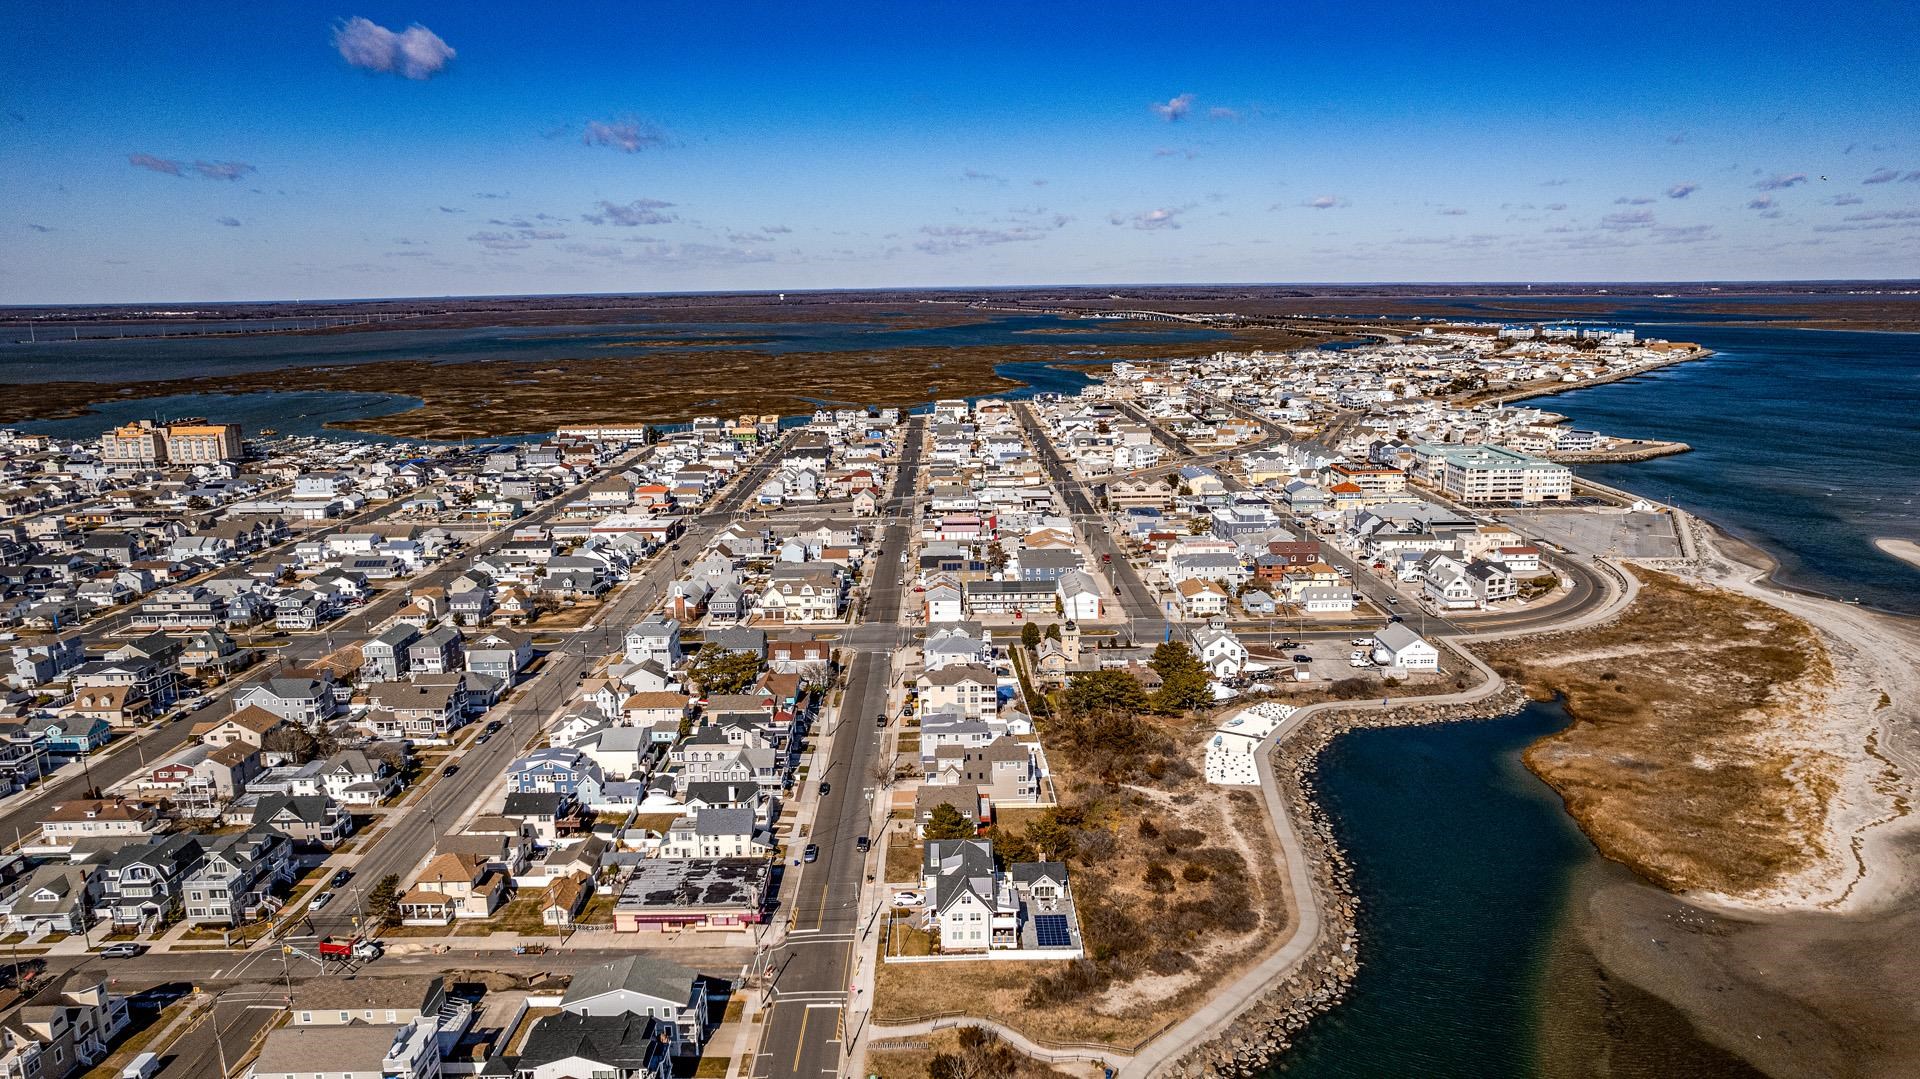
1681	191
415	53
625	134
1627	219
1781	180
1174	109
635	213
230	222
1325	202
1148	220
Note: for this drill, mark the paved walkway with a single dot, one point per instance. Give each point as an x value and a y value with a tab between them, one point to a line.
1231	1000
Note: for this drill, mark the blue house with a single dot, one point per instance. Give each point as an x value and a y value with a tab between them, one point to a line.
556	770
72	735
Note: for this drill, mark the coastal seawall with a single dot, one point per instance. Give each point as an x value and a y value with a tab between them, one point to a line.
1515	394
1265	1028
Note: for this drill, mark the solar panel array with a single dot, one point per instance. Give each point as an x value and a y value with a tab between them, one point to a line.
1050	930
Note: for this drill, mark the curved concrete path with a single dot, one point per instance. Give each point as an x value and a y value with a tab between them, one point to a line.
1243	992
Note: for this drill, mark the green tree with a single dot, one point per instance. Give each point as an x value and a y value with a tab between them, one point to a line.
384	899
720	671
1050	839
1183	681
1094	692
1030	636
1199	526
1053	631
947	822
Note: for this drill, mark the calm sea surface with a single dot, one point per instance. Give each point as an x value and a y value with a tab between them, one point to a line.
1806	443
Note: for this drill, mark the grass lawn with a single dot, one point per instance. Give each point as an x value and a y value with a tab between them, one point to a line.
654	822
598	911
903	858
520	916
137	1042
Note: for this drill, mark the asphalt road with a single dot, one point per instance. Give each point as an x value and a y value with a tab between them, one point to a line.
813	966
1137	602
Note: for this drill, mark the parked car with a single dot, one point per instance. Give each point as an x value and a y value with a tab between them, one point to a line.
1393	601
825	788
863	844
319	902
1360	656
450	769
1360	642
483	739
341	876
811	854
880	720
906	899
1302	657
122	950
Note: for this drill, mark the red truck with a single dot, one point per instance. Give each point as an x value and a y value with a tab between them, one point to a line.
356	948
1106	560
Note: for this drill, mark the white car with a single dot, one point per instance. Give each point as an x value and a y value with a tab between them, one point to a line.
906	899
1360	642
1353	657
1357	663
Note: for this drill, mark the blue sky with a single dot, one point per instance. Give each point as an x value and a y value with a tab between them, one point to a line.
183	151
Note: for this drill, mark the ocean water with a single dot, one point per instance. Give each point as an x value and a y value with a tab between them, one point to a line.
1806	443
1460	859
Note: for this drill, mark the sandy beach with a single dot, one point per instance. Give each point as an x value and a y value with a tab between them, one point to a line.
1905	550
1815	978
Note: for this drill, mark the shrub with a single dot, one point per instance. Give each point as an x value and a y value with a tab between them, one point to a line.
1159	879
1348	689
1147	829
1194	873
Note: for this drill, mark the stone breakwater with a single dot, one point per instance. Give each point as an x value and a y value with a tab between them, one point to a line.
1267	1027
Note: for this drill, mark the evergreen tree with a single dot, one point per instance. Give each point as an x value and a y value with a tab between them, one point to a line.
946	822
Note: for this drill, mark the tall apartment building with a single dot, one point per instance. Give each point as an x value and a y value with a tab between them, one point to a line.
188	442
197	442
1493	474
134	444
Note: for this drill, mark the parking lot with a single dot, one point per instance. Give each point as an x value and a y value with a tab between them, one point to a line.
1602	532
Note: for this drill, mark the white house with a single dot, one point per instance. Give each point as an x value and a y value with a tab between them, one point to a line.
1395	646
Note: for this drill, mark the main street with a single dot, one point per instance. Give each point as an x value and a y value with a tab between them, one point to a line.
812	968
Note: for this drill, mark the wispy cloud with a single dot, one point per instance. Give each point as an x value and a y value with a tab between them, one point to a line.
1165	217
1554	207
1627	219
1168	151
1453	211
39	228
1764	202
230	222
414	53
1677	138
1221	112
976	174
492	194
1781	180
1633	200
452	210
1174	109
1683	234
223	170
527	221
1556	182
945	239
157	164
208	170
1325	202
1845	200
631	214
1681	191
1887	176
627	134
1885	215
500	241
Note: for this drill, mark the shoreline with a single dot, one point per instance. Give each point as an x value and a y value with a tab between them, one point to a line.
1520	395
1614	919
